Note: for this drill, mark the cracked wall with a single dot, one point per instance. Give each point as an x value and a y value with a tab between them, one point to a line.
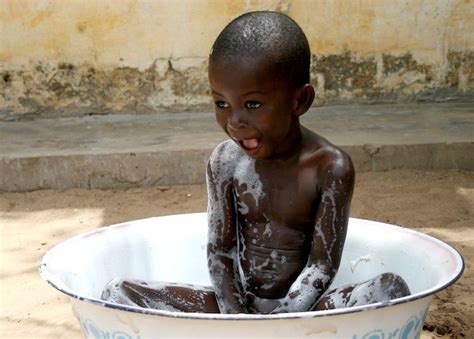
136	56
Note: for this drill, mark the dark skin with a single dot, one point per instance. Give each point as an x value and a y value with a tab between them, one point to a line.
279	201
296	168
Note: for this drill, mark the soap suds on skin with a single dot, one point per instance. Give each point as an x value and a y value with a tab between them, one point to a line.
328	199
118	291
242	207
303	292
384	287
220	181
268	230
245	173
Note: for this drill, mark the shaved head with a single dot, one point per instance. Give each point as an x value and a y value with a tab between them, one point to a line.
271	35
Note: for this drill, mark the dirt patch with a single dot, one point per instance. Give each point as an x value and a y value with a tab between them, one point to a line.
440	203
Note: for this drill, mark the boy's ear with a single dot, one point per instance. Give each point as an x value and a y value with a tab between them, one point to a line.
303	99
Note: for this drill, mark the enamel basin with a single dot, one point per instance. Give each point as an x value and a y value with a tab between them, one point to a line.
173	248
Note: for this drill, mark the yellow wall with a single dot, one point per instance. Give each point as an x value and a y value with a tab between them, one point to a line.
405	48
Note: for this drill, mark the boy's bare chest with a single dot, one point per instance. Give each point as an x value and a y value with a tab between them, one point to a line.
284	194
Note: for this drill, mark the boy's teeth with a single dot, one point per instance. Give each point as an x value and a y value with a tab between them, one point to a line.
250	143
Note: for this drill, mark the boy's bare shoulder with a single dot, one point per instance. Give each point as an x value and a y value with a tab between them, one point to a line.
327	158
224	158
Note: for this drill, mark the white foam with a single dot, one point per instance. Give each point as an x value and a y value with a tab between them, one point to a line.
268	286
245	173
354	263
113	293
222	170
303	293
242	207
274	254
328	200
268	230
255	267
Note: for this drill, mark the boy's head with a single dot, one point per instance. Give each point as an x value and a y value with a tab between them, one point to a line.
271	35
259	77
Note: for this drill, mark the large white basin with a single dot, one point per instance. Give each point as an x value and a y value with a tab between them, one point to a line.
172	248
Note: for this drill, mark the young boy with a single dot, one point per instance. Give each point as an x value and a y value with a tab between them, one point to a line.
279	194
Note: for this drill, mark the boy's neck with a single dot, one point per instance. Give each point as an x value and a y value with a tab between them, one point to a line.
293	145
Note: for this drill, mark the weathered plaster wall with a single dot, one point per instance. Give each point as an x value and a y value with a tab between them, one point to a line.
69	58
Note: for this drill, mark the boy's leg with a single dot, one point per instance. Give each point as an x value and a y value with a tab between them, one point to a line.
161	296
384	287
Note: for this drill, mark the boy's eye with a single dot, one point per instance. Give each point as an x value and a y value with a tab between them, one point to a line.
252	104
221	104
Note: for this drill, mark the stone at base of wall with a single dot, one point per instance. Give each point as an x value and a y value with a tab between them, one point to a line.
188	167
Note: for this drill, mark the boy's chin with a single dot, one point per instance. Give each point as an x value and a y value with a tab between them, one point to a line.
258	153
262	154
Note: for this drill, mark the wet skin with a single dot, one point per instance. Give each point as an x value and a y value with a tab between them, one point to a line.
279	200
290	236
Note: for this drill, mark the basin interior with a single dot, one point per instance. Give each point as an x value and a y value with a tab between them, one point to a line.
173	248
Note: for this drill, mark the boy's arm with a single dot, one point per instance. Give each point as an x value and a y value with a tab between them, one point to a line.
329	234
222	242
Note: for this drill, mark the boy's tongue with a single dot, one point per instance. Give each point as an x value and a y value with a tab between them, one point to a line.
250	144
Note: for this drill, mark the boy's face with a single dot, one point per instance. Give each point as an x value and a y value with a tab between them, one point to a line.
254	105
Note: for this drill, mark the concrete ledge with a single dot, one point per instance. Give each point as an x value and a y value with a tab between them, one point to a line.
104	170
424	156
188	167
121	152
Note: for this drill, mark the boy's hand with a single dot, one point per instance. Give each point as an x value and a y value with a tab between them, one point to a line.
261	305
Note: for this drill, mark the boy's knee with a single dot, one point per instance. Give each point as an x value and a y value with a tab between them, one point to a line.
394	285
122	291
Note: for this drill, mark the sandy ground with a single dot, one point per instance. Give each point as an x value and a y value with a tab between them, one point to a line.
440	203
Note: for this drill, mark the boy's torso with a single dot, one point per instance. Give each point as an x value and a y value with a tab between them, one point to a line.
276	202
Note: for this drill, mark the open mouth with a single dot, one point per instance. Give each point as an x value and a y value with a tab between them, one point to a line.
250	144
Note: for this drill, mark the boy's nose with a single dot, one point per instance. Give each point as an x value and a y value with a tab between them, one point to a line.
237	120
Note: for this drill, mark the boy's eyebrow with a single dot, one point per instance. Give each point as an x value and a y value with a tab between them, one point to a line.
245	94
254	92
214	92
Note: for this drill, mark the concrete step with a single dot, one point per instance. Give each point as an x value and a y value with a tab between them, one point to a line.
115	151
